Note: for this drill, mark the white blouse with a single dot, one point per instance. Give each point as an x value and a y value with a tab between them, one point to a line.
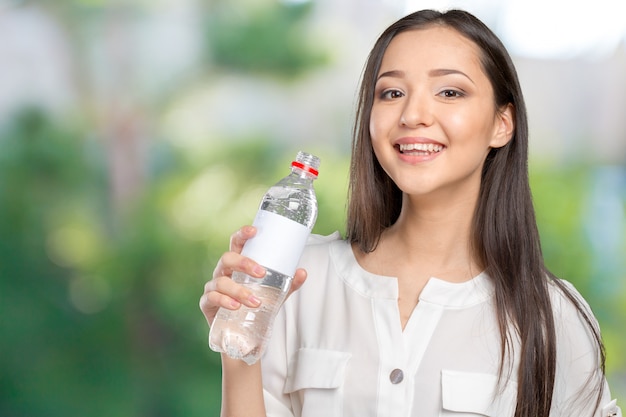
338	348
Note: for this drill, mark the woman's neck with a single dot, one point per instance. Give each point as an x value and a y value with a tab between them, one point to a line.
434	236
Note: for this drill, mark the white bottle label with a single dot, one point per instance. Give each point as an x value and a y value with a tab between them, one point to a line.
278	242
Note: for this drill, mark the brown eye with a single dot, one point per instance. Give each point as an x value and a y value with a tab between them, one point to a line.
451	94
391	94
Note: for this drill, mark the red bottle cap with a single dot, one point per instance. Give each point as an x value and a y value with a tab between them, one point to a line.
305	168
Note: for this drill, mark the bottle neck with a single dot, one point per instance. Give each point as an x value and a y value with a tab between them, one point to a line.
300	173
303	171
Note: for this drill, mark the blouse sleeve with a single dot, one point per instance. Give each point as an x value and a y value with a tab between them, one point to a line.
579	378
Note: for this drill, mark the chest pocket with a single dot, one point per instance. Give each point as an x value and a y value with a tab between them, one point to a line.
471	394
315	381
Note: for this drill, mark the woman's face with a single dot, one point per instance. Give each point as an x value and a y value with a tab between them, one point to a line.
433	118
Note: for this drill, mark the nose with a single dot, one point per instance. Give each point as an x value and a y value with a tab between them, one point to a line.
417	111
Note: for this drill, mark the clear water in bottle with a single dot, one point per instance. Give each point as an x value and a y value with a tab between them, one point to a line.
284	221
242	333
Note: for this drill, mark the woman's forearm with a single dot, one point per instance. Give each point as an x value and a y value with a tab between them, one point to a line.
242	389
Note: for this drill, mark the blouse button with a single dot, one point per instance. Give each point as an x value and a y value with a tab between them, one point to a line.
396	376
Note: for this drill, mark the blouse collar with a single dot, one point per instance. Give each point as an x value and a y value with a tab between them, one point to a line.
437	291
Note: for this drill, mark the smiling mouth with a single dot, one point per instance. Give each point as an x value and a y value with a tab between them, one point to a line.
420	149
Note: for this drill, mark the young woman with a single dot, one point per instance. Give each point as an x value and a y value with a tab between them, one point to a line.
438	302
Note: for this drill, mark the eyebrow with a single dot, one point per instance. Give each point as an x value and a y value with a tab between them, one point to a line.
392	74
444	71
440	72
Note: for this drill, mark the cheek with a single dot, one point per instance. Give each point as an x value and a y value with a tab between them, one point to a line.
372	129
373	123
378	123
376	135
460	122
469	127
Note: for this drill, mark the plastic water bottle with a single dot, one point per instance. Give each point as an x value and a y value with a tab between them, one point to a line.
284	221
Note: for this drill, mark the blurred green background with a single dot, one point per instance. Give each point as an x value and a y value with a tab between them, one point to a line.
136	136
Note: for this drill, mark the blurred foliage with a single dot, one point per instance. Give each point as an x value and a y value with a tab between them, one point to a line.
271	41
564	202
86	330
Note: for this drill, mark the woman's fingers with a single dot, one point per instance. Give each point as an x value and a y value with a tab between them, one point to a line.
223	292
298	279
226	293
240	237
234	261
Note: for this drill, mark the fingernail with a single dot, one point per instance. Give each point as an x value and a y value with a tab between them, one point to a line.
259	270
254	300
235	303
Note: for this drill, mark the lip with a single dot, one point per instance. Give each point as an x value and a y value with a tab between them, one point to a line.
415	159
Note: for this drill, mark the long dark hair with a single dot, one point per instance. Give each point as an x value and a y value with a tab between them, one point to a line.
505	236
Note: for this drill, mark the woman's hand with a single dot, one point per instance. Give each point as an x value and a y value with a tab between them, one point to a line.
222	291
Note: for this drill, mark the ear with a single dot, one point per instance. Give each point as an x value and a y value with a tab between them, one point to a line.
504	126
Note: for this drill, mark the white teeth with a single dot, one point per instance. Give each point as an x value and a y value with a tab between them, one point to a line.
423	147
